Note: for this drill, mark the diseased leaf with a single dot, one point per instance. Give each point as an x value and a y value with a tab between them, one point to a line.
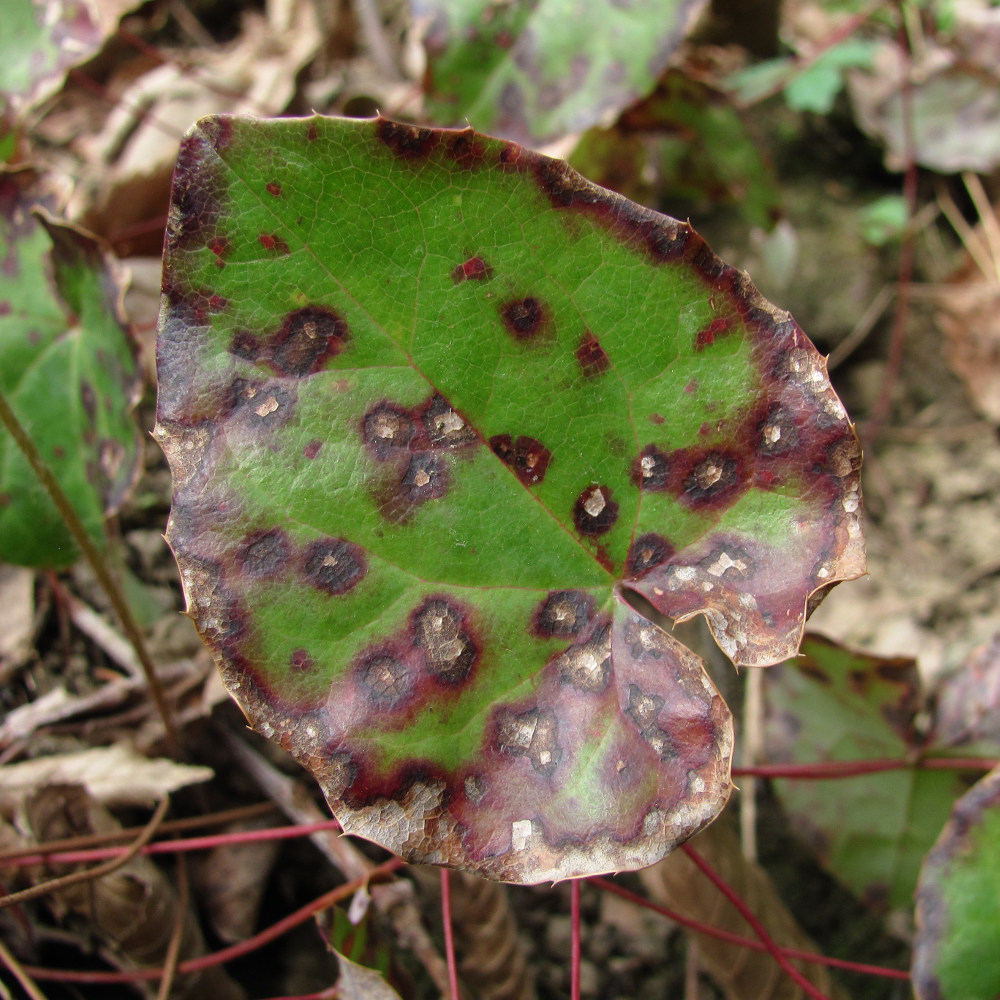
357	982
535	71
434	406
955	954
67	366
835	705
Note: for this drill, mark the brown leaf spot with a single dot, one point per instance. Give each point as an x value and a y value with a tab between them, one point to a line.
334	565
524	318
588	666
778	432
594	512
531	734
273	188
311	450
440	630
562	614
527	457
308	338
444	427
263	555
387	427
245	345
651	470
729	562
300	662
591	356
708	335
465	148
407	141
474	269
385	678
275	244
647	552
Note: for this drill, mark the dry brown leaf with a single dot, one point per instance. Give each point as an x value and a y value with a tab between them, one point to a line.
17	612
132	912
742	974
357	982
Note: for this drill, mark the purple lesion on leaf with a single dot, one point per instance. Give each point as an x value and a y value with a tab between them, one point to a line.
527	457
386	678
651	470
646	553
586	665
387	429
592	358
312	449
562	614
273	243
533	734
444	426
264	555
307	339
721	326
709	478
442	630
525	319
595	511
221	247
300	662
409	142
260	406
334	565
424	477
644	710
473	269
466	148
273	188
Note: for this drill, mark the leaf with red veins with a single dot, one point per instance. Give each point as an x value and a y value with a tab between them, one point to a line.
421	460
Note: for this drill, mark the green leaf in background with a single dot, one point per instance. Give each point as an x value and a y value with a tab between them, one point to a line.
832	704
536	70
956	954
68	369
40	40
816	88
435	406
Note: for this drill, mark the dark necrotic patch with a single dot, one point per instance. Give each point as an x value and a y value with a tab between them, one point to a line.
334	565
308	338
245	345
386	679
563	614
386	428
651	470
587	666
465	148
647	552
263	406
441	631
527	457
426	478
300	662
524	318
473	269
595	512
712	479
263	555
407	141
443	425
591	356
533	734
778	432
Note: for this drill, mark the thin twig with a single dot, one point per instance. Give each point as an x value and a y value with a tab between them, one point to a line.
74	878
449	934
574	945
177	934
97	563
988	220
20	973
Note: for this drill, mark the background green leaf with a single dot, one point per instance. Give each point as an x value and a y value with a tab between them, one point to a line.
434	405
68	369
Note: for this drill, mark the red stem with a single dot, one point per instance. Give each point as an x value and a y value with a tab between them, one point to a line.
574	947
758	928
709	931
855	768
449	935
225	954
173	846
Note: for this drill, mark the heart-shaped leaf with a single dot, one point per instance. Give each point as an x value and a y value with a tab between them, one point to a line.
434	406
67	367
